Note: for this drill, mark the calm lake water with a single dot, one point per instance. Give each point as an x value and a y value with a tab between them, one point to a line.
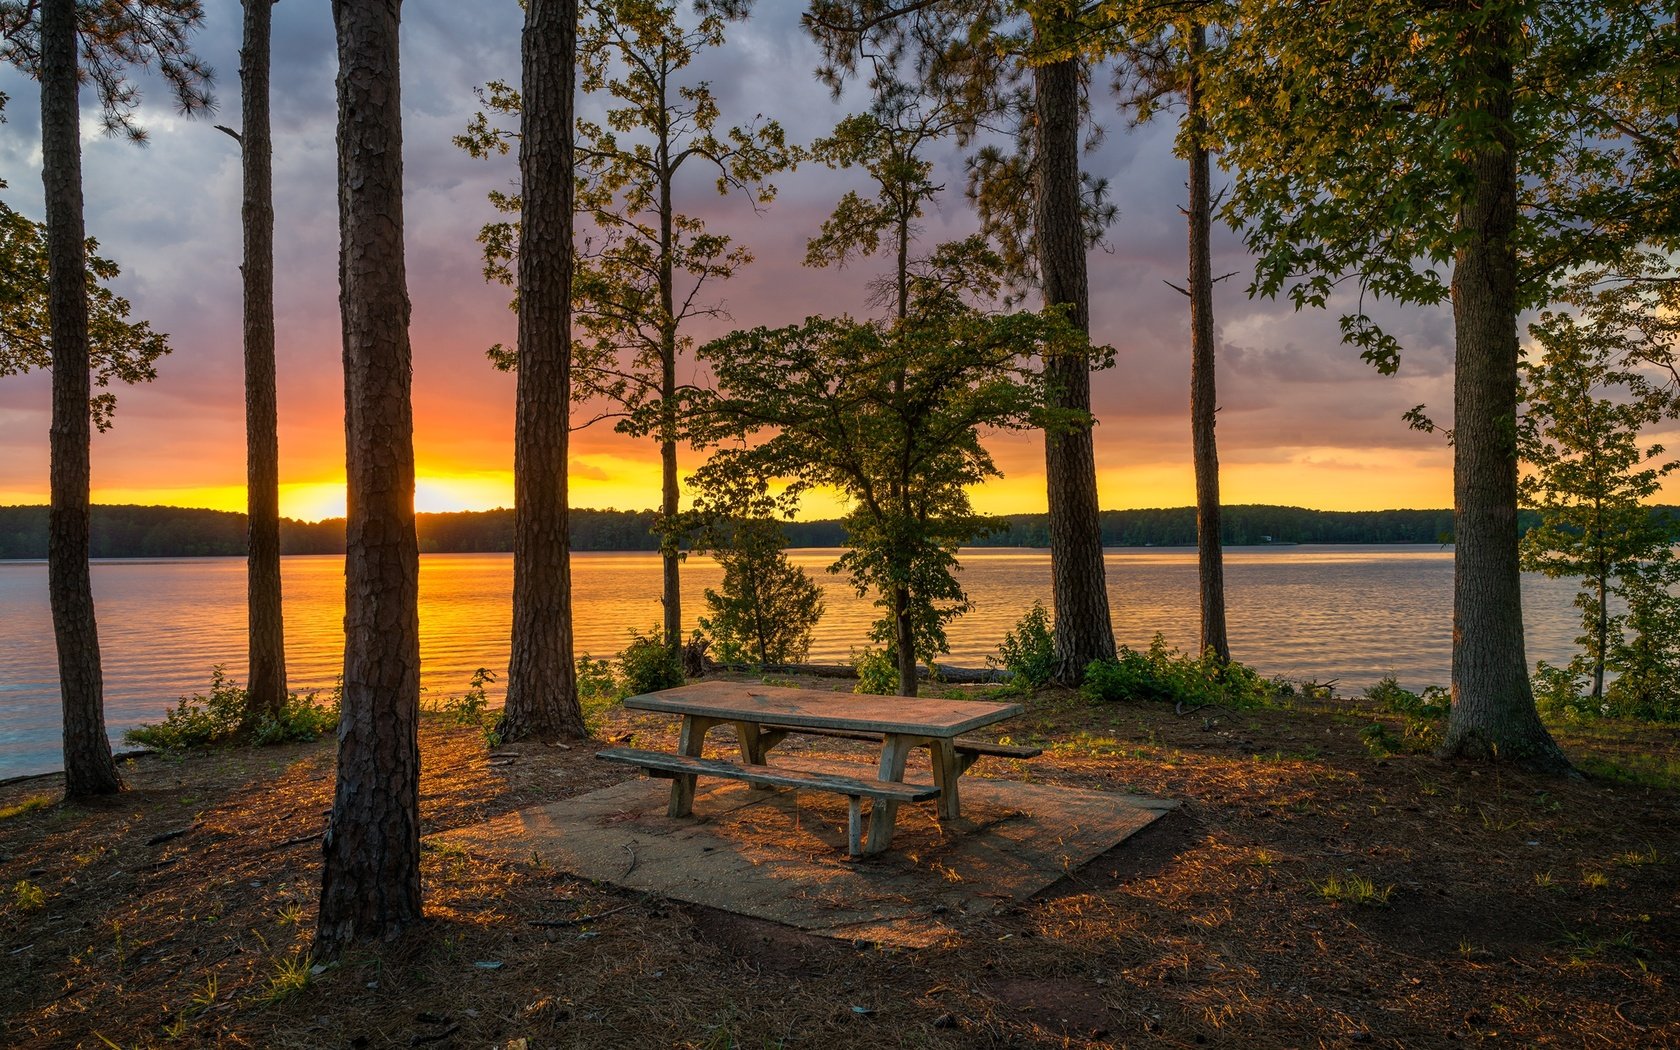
1312	612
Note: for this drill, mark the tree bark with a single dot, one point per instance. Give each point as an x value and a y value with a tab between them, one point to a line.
904	642
88	766
542	695
1083	629
1204	403
669	562
370	881
266	682
1493	712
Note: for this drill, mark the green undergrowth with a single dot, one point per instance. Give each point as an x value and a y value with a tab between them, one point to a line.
28	805
1421	717
219	719
1164	673
1648	771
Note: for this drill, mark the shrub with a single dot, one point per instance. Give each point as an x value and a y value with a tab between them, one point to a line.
877	672
218	720
595	679
768	606
1559	692
597	690
1028	652
473	708
648	665
1423	712
1165	674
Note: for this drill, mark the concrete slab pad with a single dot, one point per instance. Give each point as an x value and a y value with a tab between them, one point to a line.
781	855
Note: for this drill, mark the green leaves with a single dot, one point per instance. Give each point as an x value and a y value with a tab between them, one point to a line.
890	416
123	351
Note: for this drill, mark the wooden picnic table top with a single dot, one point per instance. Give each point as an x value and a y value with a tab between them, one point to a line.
815	709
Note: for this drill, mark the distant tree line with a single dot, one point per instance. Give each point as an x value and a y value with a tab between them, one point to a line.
177	532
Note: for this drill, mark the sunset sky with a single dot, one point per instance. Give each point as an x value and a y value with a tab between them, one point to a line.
1302	420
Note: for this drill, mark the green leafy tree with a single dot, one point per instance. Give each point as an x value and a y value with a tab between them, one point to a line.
643	282
1592	475
63	43
1475	156
889	415
768	606
1646	656
122	351
1026	66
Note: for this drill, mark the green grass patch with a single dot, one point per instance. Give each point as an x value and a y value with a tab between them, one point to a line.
291	979
26	896
28	805
1651	771
1354	889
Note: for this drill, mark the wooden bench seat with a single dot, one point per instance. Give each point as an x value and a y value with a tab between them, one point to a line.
968	748
664	764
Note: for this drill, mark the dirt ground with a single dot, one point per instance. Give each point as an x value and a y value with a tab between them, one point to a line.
1500	909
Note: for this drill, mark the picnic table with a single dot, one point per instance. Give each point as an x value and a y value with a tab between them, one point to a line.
764	716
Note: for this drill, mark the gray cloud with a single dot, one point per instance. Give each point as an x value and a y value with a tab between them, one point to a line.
169	215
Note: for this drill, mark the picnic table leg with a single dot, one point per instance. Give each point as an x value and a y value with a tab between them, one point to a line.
754	747
691	743
895	749
946	773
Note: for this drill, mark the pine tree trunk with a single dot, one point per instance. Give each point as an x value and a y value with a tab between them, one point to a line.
88	766
1204	403
671	591
1083	630
266	683
1601	637
370	880
1493	712
542	698
669	560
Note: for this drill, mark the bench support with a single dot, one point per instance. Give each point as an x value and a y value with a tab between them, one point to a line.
691	743
947	771
895	750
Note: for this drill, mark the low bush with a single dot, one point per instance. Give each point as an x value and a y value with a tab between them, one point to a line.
1163	673
1028	652
473	708
877	672
597	689
648	665
219	719
1423	714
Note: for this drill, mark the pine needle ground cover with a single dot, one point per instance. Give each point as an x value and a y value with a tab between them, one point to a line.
1305	891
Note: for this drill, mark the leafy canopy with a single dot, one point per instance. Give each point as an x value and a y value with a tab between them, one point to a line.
122	350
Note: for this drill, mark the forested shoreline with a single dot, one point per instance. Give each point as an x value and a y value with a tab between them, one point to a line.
179	532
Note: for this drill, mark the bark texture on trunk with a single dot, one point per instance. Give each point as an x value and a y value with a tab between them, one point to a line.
266	637
370	881
542	695
905	642
1083	629
671	591
1493	712
1204	403
88	766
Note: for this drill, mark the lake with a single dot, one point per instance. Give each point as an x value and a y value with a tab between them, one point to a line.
1353	614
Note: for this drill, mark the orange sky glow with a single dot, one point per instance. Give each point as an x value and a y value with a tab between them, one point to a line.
1302	421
